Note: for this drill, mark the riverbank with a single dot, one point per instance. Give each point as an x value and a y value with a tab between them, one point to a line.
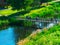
46	37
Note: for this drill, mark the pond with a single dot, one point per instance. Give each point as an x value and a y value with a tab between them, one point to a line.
10	35
7	36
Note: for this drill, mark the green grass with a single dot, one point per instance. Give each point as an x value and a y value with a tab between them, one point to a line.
50	37
7	12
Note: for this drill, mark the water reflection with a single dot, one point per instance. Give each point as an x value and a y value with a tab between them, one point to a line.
11	35
21	32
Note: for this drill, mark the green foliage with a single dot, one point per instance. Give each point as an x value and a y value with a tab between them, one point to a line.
28	24
4	22
52	10
42	1
19	4
50	37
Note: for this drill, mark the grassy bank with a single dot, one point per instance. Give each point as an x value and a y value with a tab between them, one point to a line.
46	37
7	12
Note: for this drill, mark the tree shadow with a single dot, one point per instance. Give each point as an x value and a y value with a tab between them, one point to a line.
22	33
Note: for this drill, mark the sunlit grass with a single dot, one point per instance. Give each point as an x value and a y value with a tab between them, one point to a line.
7	12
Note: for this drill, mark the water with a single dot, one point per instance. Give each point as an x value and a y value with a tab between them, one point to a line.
7	36
11	35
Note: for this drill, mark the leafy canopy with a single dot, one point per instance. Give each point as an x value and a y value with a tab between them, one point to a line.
19	4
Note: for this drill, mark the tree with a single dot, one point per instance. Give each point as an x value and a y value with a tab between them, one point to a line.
19	4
